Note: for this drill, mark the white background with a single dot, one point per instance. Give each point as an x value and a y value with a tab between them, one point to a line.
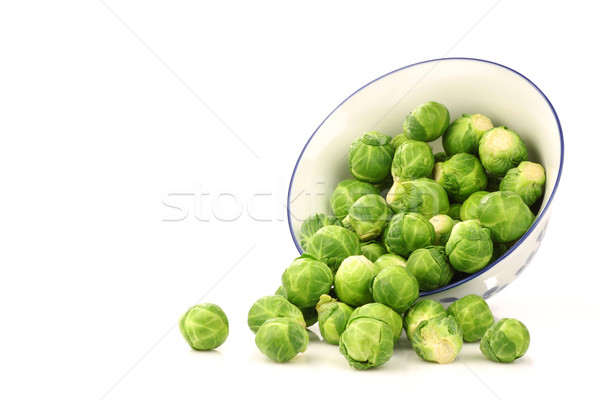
111	110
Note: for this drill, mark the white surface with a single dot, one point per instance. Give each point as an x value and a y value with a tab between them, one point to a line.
98	134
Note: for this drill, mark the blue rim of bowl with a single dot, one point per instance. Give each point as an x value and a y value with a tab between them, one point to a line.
514	246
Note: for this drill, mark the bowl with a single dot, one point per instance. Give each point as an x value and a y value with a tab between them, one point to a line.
463	85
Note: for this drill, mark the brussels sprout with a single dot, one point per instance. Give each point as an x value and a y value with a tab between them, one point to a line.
424	196
332	244
281	339
388	260
527	180
469	247
382	313
372	250
312	224
398	140
505	215
430	267
269	307
346	193
204	326
370	157
505	341
501	149
367	343
395	287
438	339
305	280
308	313
454	211
333	318
407	232
427	122
470	207
368	216
440	156
280	292
461	175
422	310
353	279
464	133
473	315
412	159
499	249
493	182
442	224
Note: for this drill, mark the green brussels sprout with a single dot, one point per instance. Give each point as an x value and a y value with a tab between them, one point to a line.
332	244
398	140
438	339
312	224
473	315
372	250
269	307
388	260
305	280
501	149
382	313
280	292
442	224
204	326
370	157
281	339
527	180
470	207
505	341
463	134
333	318
308	313
407	232
395	287
412	159
469	247
346	193
422	310
493	182
499	249
461	175
367	343
353	279
427	122
368	216
505	215
424	196
440	156
430	267
454	211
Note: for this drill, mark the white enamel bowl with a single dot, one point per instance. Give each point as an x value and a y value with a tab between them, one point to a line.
463	86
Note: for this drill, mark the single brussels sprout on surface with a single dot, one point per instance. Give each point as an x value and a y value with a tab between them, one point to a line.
505	215
501	149
430	267
422	310
463	134
398	140
333	318
469	247
412	159
305	280
370	157
369	216
527	180
438	339
332	244
281	339
389	260
407	232
424	196
427	122
312	224
346	193
353	279
395	287
505	341
440	156
454	211
473	315
461	175
373	250
204	326
367	343
269	307
442	224
470	207
382	313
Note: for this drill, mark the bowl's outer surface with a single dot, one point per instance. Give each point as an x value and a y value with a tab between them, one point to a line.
464	86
